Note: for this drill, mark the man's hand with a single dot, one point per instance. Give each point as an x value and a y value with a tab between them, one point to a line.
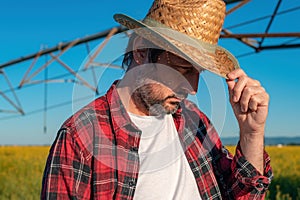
250	104
249	101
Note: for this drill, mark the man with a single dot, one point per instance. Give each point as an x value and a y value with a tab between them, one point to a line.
144	140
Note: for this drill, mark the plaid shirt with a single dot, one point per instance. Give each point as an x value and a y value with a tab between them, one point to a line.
95	156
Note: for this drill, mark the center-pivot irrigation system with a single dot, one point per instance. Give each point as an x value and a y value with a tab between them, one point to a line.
254	40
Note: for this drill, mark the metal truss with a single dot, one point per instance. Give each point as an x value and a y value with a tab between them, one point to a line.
253	40
256	40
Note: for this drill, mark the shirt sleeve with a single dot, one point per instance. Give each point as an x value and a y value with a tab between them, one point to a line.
247	182
67	172
238	178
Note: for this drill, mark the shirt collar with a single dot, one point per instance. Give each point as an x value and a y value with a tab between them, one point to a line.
120	117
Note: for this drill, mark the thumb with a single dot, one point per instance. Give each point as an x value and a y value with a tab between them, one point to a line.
231	85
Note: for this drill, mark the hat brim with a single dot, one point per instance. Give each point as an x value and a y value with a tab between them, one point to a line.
202	55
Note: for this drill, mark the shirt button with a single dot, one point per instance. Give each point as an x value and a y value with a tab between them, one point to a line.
131	183
134	149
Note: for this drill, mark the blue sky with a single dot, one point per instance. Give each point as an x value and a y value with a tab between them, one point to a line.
27	26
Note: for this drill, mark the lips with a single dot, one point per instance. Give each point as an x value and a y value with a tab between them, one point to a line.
174	100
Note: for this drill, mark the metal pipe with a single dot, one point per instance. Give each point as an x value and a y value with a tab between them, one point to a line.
231	1
120	29
283	46
270	22
259	35
61	46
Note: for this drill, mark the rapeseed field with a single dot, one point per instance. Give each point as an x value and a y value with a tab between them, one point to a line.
21	170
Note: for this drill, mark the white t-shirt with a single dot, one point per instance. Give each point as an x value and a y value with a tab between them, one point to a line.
164	170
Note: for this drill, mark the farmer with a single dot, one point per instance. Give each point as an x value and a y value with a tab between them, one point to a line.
144	140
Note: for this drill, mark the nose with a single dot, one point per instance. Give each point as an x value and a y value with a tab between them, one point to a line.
190	83
193	80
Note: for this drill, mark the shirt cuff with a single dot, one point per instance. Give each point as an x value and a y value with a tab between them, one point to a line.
247	174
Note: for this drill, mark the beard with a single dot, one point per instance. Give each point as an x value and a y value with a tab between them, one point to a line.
154	100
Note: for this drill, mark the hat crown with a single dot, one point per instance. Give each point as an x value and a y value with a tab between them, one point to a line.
202	19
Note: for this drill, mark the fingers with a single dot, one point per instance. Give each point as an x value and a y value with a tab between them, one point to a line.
231	84
252	97
261	99
236	74
248	92
237	88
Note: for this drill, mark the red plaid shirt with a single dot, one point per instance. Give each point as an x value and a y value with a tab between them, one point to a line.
95	156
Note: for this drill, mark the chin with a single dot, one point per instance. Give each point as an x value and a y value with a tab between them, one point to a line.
162	109
171	109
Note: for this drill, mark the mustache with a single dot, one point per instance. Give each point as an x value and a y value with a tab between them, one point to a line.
180	96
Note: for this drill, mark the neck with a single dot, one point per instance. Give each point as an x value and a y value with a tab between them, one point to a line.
132	102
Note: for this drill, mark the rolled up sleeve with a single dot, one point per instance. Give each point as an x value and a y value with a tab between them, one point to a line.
247	181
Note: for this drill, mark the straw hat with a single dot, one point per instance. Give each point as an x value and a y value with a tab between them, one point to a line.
190	28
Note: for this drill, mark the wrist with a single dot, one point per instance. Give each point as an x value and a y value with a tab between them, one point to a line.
252	147
257	132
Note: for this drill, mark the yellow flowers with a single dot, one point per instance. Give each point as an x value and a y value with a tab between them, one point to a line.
21	170
285	162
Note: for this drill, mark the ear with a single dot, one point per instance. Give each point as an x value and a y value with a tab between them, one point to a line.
139	51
